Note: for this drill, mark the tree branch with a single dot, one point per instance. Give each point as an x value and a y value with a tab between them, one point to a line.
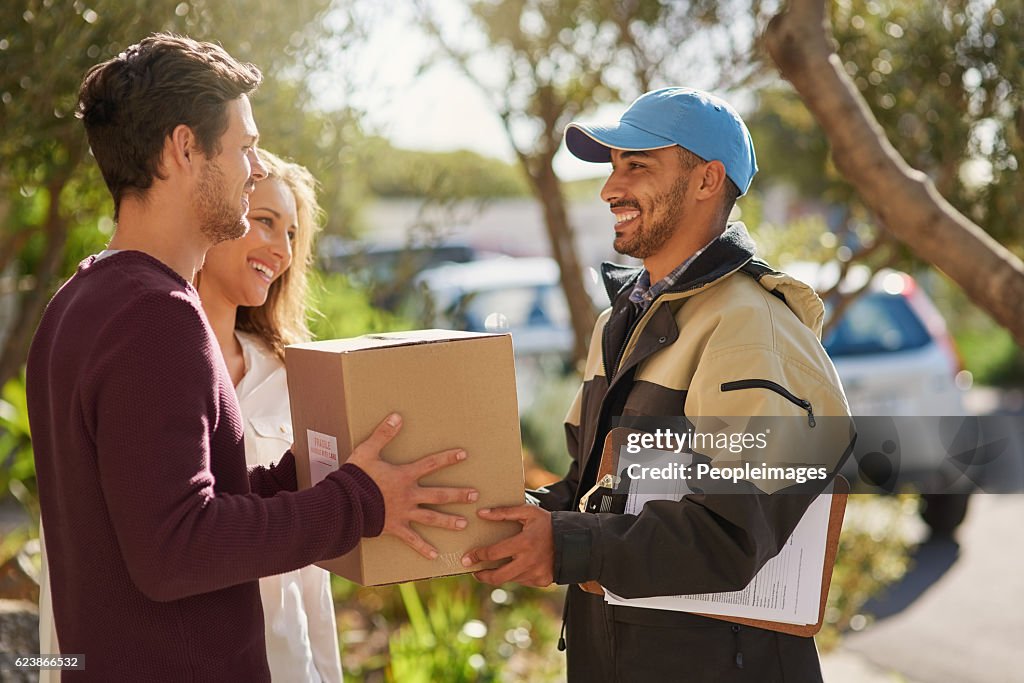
905	200
845	300
844	266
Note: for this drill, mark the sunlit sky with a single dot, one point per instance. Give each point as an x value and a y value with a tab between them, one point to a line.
434	109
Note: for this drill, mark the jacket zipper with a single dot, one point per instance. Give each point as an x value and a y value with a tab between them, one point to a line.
622	350
772	386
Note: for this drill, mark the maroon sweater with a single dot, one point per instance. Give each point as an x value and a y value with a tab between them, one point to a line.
155	530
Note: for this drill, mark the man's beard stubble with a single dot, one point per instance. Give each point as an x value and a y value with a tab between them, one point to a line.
659	223
218	219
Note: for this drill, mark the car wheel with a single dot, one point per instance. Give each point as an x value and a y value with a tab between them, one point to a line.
943	512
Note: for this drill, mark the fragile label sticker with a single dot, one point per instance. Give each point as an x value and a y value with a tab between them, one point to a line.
323	455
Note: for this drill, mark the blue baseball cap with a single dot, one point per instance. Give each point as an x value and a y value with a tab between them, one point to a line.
695	120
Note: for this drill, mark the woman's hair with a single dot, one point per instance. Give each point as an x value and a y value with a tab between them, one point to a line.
281	320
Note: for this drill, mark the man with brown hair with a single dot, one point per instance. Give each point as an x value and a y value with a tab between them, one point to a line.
156	532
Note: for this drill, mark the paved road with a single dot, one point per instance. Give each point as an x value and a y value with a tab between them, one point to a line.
958	615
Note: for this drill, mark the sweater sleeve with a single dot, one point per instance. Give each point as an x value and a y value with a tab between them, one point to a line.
270	480
153	402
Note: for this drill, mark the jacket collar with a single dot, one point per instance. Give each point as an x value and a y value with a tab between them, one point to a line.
617	278
728	252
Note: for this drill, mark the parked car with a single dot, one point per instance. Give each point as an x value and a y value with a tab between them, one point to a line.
522	296
895	357
388	269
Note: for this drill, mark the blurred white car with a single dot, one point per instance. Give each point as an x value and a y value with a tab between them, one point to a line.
896	358
522	296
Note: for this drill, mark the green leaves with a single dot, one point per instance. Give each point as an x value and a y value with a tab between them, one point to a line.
943	79
17	466
54	208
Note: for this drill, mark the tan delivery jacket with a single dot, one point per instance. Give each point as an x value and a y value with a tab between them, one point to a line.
732	338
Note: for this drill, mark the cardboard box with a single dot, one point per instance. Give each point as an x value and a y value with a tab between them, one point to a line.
453	390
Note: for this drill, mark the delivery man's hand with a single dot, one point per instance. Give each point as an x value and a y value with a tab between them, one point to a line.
532	550
400	487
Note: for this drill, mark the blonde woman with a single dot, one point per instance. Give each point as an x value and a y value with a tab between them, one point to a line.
253	291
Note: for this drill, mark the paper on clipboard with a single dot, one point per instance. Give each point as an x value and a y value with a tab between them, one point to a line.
788	587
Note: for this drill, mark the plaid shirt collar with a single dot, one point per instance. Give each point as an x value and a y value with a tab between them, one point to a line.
644	293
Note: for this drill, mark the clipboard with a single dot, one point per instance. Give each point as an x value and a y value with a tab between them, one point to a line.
840	493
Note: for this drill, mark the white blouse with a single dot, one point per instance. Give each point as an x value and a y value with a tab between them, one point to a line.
298	612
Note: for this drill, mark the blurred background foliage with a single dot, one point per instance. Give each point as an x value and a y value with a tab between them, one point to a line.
942	77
